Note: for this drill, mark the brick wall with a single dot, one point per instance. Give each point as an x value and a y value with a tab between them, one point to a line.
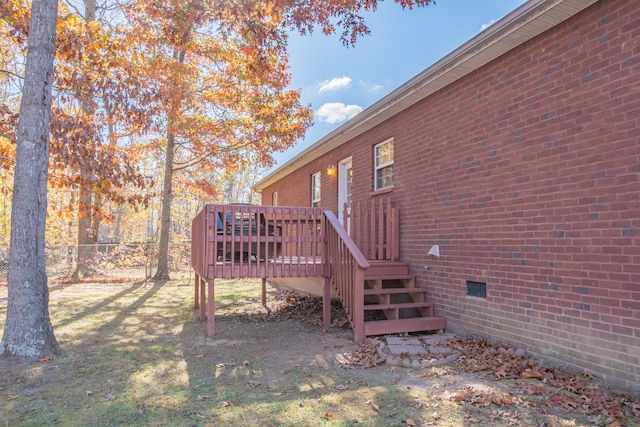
527	174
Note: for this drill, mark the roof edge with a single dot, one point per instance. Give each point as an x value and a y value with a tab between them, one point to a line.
519	26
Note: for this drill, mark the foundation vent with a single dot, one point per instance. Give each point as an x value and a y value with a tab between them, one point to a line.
476	289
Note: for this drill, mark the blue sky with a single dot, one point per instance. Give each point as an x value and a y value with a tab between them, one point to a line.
339	82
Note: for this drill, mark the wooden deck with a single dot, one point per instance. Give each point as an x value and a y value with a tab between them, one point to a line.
246	241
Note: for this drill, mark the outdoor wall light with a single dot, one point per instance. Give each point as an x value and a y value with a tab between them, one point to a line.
331	169
434	251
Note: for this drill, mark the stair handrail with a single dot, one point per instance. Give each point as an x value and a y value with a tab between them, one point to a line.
348	265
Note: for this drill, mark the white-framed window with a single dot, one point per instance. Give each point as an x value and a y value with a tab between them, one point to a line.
315	189
274	198
383	161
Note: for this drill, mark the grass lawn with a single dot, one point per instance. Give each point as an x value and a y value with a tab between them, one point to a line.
136	355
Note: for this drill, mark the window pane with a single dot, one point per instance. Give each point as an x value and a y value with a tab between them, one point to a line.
384	153
384	165
384	177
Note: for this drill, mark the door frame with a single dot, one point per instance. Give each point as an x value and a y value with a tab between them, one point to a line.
343	166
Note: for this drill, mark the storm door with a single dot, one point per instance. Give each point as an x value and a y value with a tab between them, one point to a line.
345	176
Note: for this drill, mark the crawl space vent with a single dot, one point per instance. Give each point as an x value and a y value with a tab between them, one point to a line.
476	289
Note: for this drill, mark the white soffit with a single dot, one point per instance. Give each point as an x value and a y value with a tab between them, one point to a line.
524	23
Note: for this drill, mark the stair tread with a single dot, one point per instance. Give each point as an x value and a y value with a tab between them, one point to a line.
383	268
415	324
387	263
398	305
383	291
389	277
406	320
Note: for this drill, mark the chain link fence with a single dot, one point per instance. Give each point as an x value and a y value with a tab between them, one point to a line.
107	261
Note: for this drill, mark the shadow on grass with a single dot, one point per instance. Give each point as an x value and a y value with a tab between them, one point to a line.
138	356
101	304
279	373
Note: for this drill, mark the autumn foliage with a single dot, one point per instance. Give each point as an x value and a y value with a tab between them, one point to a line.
205	81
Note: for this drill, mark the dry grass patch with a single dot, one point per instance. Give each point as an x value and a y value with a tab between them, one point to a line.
135	355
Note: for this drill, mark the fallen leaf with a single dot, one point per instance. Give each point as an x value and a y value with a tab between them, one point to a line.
327	416
410	422
530	373
203	397
342	387
12	397
110	396
45	358
245	363
501	373
225	404
224	365
373	405
88	392
534	389
253	384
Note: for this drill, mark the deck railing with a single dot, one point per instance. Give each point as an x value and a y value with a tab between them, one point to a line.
348	266
374	227
246	241
236	241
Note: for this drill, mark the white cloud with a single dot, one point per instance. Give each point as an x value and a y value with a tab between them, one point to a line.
337	112
335	83
370	87
487	24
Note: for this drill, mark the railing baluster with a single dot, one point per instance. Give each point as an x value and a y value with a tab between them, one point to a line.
388	230
378	230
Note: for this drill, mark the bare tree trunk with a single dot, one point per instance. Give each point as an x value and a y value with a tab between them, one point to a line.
162	273
84	265
96	217
28	330
83	256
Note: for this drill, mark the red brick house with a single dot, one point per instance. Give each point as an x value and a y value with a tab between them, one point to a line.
518	154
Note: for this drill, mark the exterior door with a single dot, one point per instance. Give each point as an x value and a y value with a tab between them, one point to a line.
345	176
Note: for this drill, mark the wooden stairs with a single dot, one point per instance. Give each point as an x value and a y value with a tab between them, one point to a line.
393	303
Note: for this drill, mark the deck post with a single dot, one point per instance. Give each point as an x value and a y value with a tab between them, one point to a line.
211	315
203	300
326	303
196	296
264	291
358	304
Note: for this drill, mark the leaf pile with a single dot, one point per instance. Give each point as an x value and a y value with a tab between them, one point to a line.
366	356
479	356
480	397
306	309
538	386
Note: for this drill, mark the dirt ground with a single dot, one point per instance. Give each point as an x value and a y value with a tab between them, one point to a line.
135	354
